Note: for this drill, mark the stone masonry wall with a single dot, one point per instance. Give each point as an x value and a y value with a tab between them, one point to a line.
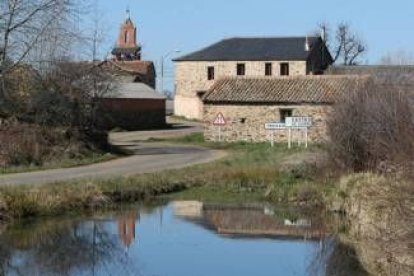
191	77
246	122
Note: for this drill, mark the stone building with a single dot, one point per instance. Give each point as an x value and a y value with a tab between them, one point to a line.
248	103
254	57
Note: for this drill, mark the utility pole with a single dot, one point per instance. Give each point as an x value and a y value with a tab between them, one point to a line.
161	88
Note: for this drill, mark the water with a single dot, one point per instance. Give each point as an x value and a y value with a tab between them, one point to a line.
178	238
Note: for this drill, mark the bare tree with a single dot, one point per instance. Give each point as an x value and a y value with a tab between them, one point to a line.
26	26
346	46
400	57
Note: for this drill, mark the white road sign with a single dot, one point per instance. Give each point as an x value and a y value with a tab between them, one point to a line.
275	126
219	121
299	122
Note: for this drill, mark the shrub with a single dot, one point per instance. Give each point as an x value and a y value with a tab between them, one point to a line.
372	130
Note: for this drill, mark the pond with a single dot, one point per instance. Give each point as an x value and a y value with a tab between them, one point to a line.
176	238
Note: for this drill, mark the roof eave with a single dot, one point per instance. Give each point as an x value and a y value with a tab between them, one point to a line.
213	102
241	60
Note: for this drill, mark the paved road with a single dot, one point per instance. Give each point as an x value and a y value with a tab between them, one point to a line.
148	157
179	128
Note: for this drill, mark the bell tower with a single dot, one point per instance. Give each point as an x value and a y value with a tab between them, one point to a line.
127	48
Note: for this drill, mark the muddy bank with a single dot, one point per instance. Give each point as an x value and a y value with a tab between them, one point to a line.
380	212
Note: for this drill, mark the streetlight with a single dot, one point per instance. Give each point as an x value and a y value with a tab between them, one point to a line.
161	90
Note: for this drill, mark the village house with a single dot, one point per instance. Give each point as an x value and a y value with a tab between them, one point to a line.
244	57
134	104
248	103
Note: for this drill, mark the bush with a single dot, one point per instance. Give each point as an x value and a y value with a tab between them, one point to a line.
373	130
22	146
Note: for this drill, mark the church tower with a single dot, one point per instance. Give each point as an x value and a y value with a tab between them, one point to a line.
127	48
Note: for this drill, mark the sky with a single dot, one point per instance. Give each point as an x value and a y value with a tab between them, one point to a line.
188	25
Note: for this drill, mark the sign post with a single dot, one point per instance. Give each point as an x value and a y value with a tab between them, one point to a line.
306	137
219	122
299	123
273	127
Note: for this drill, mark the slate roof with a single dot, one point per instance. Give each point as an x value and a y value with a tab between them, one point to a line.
134	91
254	49
283	90
371	69
395	75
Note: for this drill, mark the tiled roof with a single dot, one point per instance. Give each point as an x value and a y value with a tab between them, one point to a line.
283	90
135	67
255	49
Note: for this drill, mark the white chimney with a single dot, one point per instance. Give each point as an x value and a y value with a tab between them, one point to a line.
307	45
323	34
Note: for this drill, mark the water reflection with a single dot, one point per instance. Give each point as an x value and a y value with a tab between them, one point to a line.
126	227
182	238
260	221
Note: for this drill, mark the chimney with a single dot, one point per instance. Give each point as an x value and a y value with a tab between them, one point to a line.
323	33
307	45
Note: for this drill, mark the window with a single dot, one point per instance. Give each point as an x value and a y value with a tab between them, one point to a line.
268	69
241	69
210	73
126	37
201	94
284	69
284	113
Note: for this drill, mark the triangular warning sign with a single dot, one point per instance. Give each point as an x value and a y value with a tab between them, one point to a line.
219	121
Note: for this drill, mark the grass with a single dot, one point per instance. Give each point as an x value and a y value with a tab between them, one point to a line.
61	163
250	172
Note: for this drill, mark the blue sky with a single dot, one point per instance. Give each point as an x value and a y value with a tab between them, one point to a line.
188	25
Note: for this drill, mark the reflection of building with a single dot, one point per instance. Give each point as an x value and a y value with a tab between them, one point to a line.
126	228
248	221
188	209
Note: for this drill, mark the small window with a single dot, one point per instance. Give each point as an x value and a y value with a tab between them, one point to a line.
126	37
268	69
201	94
284	69
210	73
284	113
241	69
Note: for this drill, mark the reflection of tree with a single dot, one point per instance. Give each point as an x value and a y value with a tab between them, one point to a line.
334	258
61	248
4	257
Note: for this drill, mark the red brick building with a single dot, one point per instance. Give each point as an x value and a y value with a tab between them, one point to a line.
134	104
126	56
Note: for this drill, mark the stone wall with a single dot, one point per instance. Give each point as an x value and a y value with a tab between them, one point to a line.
191	77
246	122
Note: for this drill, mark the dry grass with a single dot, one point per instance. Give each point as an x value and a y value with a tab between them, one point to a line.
28	147
248	170
373	129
